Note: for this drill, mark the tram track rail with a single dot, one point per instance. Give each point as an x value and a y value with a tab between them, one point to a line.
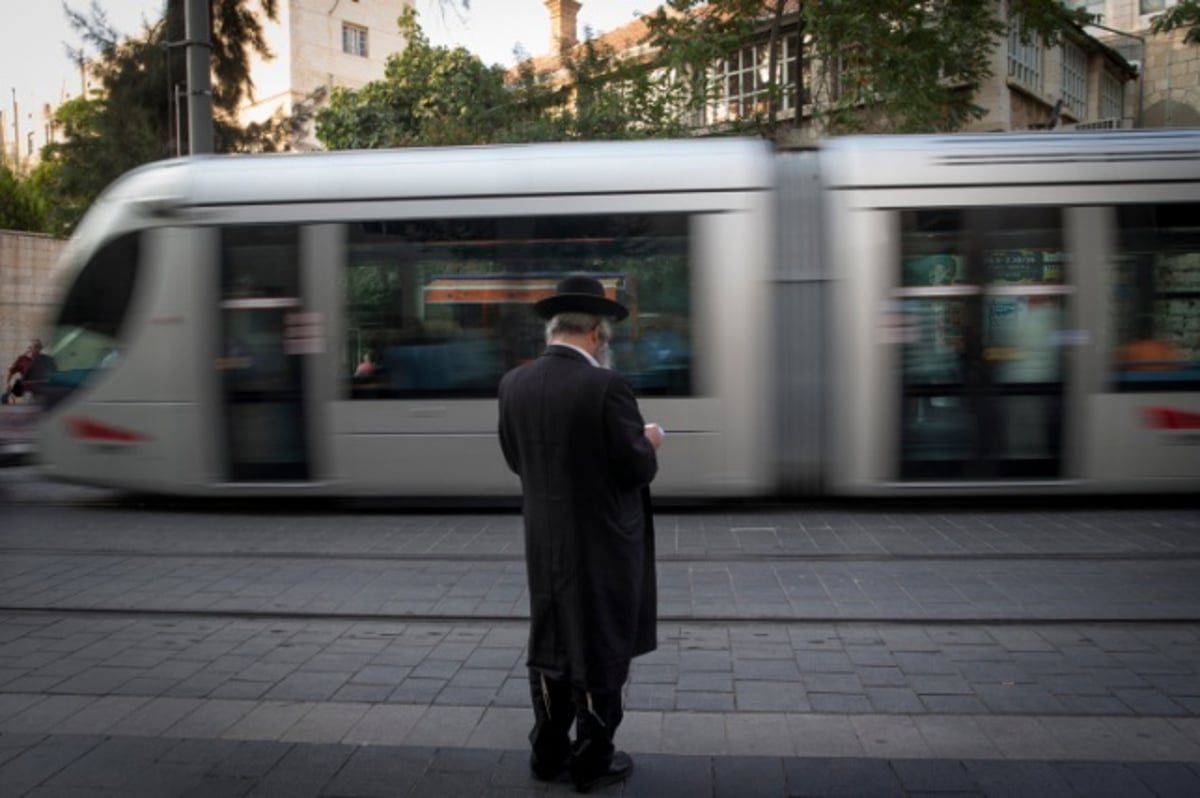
663	557
522	620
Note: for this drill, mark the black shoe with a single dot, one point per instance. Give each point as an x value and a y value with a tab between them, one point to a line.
547	770
617	770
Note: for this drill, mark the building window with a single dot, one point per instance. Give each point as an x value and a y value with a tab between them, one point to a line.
1152	6
354	40
791	71
1074	80
846	75
743	81
1112	97
1091	6
1024	60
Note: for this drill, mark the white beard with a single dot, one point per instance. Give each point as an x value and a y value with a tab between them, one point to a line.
604	356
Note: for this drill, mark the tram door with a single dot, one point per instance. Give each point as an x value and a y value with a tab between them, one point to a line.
261	370
984	293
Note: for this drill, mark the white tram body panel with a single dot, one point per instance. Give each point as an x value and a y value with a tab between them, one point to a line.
1109	436
925	315
166	416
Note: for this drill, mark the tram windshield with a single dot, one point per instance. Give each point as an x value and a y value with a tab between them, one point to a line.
87	335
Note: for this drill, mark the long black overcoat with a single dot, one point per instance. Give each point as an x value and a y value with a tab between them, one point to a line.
573	433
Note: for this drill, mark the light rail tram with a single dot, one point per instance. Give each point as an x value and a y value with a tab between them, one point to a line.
890	315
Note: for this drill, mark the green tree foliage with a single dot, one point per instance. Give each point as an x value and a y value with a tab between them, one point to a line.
876	65
429	96
613	98
236	32
116	129
433	96
130	120
1184	15
21	208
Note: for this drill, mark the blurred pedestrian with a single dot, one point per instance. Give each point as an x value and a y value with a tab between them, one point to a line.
23	361
366	367
28	372
570	428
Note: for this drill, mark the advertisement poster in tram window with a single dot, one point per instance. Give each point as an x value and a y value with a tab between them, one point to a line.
934	270
944	316
1021	337
1016	266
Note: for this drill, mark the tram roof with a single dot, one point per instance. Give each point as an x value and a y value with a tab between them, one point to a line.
997	159
561	168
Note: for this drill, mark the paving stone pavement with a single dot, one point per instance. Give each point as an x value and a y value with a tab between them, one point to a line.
92	765
1117	670
883	589
803	651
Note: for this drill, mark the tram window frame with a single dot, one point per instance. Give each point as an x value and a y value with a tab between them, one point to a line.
429	339
1155	281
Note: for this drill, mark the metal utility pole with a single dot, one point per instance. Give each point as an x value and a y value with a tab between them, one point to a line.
199	80
179	90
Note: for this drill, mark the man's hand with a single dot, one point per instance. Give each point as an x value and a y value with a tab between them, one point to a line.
654	434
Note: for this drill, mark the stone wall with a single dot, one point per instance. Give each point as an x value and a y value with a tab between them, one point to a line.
27	293
1172	83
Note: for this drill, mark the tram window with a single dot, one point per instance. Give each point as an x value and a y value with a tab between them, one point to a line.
88	335
259	261
1155	321
441	307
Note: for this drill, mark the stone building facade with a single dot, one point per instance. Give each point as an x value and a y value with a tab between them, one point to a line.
27	289
322	44
1168	94
1083	82
1171	95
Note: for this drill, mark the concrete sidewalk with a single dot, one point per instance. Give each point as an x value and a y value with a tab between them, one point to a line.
65	766
803	652
170	706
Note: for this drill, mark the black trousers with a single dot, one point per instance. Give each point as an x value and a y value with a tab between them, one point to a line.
557	705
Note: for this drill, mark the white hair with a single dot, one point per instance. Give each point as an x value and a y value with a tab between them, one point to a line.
582	324
577	324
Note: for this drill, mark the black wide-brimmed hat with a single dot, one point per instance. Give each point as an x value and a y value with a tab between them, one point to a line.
579	294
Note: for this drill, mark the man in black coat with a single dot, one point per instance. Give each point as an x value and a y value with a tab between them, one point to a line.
571	430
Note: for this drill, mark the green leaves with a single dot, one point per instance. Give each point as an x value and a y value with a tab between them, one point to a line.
434	96
877	66
21	207
1185	14
429	96
131	119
